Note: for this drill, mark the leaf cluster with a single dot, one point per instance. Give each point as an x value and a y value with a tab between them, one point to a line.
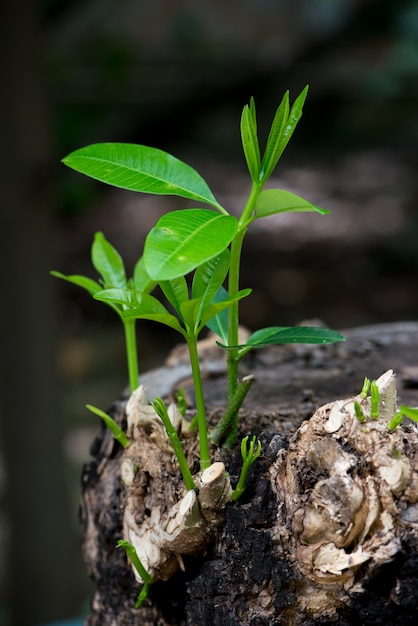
193	254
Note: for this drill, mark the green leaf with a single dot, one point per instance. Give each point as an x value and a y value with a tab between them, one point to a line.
208	277
292	334
289	334
140	306
81	281
218	307
108	262
274	201
161	318
140	168
293	119
176	291
141	278
272	151
253	111
250	141
126	297
409	412
184	239
281	131
218	324
188	313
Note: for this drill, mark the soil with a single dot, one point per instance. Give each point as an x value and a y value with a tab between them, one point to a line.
246	575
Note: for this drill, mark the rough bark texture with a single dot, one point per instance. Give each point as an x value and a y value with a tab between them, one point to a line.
319	537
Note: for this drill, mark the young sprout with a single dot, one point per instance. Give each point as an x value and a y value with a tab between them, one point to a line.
374	411
181	401
395	421
161	410
118	433
404	411
248	458
136	562
227	425
366	388
359	412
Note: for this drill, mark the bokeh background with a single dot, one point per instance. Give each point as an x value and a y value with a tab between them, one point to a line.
175	74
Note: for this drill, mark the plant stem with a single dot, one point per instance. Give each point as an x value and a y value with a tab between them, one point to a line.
248	458
161	411
200	402
233	315
131	353
135	560
117	431
229	421
233	288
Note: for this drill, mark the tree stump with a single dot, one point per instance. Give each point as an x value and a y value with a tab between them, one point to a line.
327	529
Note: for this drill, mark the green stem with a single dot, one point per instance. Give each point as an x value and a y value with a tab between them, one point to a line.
161	411
131	353
233	316
248	458
135	560
117	432
229	421
200	402
143	595
233	288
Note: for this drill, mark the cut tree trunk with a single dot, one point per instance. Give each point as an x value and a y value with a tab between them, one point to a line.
327	530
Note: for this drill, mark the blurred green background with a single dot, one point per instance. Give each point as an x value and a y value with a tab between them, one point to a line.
176	75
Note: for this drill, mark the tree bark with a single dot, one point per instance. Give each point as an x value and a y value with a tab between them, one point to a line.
327	530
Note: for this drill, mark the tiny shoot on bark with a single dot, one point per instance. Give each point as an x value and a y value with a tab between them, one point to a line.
366	388
374	400
249	455
161	410
117	431
181	401
404	411
359	412
136	562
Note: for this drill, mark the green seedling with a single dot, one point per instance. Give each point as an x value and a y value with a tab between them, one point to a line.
366	388
249	455
359	412
181	401
161	410
228	420
118	433
111	270
191	312
372	388
136	562
404	411
374	400
206	242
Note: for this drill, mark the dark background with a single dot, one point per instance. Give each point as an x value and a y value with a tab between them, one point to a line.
176	75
